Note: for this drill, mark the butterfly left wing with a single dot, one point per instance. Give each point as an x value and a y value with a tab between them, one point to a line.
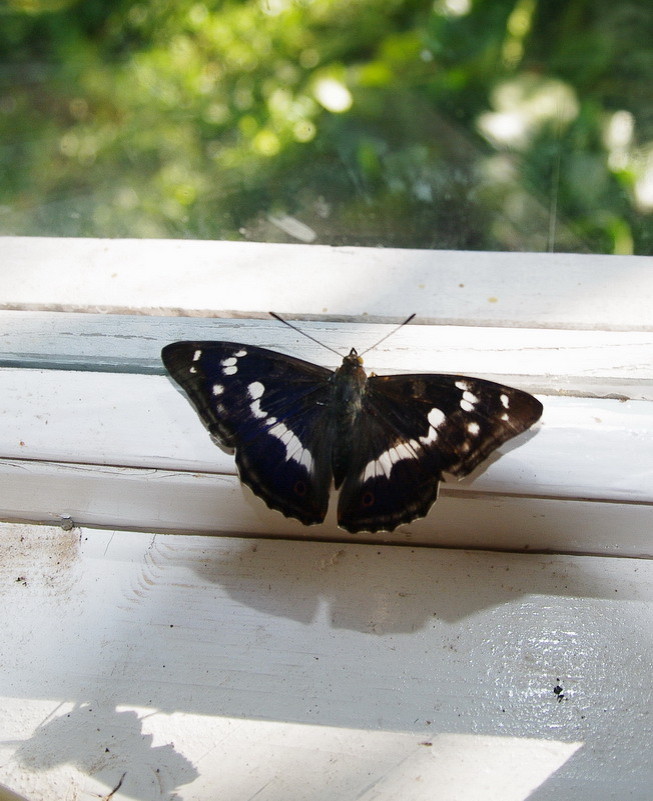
413	429
268	408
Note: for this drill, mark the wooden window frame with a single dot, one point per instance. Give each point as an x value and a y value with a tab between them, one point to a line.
95	434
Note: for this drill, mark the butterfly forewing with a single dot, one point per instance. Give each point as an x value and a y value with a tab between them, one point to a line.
266	406
463	419
416	427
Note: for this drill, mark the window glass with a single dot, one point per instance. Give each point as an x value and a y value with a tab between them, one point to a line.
464	124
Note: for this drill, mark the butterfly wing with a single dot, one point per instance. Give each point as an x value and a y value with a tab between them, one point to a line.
414	428
268	408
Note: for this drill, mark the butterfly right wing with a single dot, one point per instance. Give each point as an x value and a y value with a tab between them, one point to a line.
269	408
414	429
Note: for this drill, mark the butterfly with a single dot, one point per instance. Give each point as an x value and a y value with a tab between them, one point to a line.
383	440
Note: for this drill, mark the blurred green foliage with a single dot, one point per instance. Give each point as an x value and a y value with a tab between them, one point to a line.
475	124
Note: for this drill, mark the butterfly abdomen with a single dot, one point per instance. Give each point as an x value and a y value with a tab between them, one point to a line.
348	387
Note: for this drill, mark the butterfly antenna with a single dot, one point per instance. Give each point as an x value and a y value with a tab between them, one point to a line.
299	331
389	334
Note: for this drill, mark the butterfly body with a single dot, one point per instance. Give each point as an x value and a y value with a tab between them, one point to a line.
383	441
347	387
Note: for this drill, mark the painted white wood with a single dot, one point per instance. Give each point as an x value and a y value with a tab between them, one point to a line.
87	420
195	667
594	363
8	795
180	502
143	421
199	668
511	289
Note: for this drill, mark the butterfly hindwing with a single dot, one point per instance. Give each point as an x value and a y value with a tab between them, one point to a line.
267	407
393	480
414	428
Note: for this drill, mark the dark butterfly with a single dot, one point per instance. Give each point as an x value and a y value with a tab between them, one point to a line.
383	440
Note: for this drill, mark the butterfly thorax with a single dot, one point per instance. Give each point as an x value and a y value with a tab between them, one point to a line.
347	391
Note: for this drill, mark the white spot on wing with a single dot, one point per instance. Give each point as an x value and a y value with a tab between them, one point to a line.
505	400
255	390
255	408
405	450
294	448
383	464
462	384
240	353
430	438
473	428
197	355
229	365
218	389
436	417
388	459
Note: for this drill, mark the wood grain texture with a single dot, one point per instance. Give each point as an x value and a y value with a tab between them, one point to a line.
202	668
